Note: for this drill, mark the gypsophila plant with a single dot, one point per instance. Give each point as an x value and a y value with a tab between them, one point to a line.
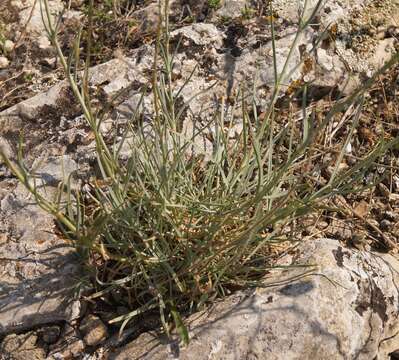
168	228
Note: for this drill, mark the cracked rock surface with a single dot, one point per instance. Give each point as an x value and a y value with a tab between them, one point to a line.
346	309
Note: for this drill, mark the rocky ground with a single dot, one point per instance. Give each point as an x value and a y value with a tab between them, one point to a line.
348	311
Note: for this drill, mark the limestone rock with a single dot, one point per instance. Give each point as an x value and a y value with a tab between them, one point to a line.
147	18
383	52
231	9
56	169
345	309
21	347
59	98
30	14
4	62
230	54
38	269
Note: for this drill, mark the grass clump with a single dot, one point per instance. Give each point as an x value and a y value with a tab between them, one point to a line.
214	4
169	228
247	12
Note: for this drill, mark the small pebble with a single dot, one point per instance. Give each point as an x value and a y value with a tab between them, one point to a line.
4	62
8	46
94	330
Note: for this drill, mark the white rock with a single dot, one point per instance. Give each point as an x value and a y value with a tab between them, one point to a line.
44	43
31	17
383	52
8	46
4	62
231	9
325	60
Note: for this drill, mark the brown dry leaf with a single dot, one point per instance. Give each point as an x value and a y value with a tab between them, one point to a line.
333	31
294	86
308	65
362	208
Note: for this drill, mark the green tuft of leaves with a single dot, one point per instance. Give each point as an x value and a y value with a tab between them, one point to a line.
214	4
